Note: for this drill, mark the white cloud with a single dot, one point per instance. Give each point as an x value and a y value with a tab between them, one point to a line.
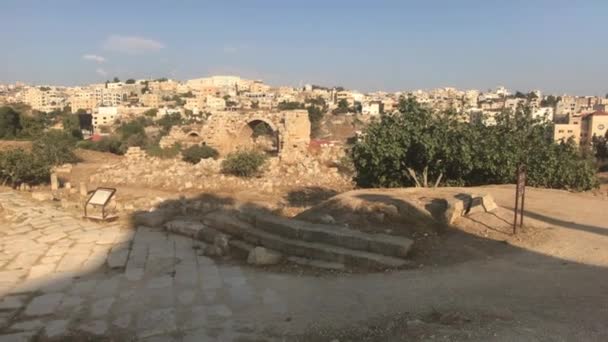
131	44
101	72
234	48
95	58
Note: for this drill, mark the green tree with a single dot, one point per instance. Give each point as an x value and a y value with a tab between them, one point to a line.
18	166
10	123
115	80
56	147
130	81
417	146
151	112
33	126
71	125
315	115
290	105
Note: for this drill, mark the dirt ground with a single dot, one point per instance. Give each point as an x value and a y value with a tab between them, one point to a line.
476	282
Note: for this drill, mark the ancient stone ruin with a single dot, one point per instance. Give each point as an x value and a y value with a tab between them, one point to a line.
229	131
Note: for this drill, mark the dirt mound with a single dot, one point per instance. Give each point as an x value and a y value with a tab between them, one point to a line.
400	211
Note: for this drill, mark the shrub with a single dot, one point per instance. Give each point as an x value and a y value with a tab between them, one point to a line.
56	147
18	166
110	144
194	154
245	163
164	153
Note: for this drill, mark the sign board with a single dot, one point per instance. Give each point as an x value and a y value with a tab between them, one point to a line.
100	198
520	196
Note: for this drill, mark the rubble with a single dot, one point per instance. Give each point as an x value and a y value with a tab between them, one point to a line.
174	174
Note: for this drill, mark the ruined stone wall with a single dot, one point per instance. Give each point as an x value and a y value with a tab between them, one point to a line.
227	131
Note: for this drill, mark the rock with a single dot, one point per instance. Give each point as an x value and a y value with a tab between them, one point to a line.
42	196
455	209
222	241
481	203
54	182
183	227
327	219
153	218
262	256
212	251
67	185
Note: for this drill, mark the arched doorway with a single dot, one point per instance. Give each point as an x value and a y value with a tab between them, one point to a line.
261	135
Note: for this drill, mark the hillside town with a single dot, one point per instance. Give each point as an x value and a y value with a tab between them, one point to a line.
303	171
576	117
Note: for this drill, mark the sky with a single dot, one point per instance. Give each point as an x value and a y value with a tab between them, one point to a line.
552	45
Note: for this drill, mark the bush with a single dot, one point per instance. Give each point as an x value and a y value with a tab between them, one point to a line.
18	166
110	144
164	153
56	147
194	154
243	163
439	144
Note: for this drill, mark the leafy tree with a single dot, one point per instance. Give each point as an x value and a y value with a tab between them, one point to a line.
519	95
549	101
71	125
246	163
261	129
194	154
56	147
10	123
290	105
417	146
600	145
18	166
151	112
342	107
130	81
315	115
33	126
108	144
168	121
115	80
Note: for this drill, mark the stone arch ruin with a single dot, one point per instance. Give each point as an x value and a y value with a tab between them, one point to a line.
229	131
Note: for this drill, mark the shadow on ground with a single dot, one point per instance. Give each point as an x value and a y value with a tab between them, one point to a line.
501	288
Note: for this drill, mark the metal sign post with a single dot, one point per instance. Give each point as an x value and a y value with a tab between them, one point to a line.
520	196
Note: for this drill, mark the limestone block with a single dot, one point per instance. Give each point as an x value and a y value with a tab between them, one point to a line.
262	256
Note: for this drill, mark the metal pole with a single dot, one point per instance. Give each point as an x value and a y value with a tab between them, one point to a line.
523	195
516	203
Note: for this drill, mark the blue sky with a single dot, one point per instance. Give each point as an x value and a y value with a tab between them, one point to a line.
556	46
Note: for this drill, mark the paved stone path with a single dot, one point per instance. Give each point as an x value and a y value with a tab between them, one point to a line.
62	275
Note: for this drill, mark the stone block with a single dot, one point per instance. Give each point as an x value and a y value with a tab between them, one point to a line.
260	256
153	218
42	196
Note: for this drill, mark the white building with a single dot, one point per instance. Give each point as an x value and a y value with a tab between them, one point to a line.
543	113
104	116
371	108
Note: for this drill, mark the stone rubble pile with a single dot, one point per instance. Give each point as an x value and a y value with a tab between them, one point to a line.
137	169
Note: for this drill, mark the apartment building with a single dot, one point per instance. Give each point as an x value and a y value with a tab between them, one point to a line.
593	124
104	116
43	99
215	103
371	108
151	100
